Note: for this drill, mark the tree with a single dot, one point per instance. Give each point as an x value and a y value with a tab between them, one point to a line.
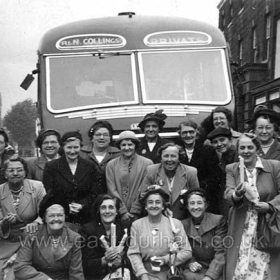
20	121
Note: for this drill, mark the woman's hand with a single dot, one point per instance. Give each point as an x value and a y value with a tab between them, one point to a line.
31	228
117	262
145	276
195	266
207	278
240	189
75	208
261	207
9	219
111	254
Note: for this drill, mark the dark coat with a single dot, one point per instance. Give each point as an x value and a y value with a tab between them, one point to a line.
93	250
80	188
268	186
37	261
184	178
112	152
152	155
207	243
205	160
272	153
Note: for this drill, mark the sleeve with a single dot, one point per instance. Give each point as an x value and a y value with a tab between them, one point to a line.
275	202
75	266
134	253
216	267
193	180
23	264
112	185
30	164
185	251
231	184
48	178
40	195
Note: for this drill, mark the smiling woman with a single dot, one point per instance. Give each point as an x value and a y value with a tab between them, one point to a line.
73	178
54	251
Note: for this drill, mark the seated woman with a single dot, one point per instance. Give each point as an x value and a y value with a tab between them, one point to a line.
99	261
19	204
53	252
153	237
205	232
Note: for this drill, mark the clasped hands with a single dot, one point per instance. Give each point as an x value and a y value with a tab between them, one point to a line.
195	266
113	256
260	207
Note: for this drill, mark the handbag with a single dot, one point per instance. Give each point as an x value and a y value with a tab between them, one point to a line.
174	272
268	233
119	274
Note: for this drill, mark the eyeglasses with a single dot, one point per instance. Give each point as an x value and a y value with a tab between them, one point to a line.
185	133
12	170
105	135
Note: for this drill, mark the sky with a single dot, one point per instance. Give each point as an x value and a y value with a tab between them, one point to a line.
24	22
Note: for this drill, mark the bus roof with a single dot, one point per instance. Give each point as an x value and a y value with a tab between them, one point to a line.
134	29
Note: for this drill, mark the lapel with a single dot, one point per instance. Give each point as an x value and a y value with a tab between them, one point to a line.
44	245
81	169
64	169
208	223
26	198
179	181
7	201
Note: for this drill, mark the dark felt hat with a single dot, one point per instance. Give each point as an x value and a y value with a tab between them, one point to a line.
50	200
220	131
157	116
154	189
274	116
71	134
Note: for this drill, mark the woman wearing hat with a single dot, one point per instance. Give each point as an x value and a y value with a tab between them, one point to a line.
99	151
153	238
125	173
48	143
151	125
97	260
53	252
206	232
72	178
266	128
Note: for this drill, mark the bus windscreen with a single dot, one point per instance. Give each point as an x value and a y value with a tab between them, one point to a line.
191	77
80	82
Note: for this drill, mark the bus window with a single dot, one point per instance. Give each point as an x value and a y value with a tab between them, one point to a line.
79	82
191	77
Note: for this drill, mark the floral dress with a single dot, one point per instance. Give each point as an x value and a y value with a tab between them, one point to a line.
251	264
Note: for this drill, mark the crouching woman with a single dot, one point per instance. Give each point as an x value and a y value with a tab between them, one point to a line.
53	252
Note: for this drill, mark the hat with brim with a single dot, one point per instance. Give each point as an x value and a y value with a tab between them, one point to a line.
154	189
127	135
274	116
220	131
157	116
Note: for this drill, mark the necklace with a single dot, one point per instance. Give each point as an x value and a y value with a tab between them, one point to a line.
16	192
269	145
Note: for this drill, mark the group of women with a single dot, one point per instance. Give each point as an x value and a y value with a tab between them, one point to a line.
142	208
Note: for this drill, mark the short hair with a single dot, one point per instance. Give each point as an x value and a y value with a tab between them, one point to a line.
99	200
272	120
221	109
253	138
171	144
44	134
14	158
188	123
100	124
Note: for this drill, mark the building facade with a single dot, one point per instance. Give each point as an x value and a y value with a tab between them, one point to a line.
252	29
